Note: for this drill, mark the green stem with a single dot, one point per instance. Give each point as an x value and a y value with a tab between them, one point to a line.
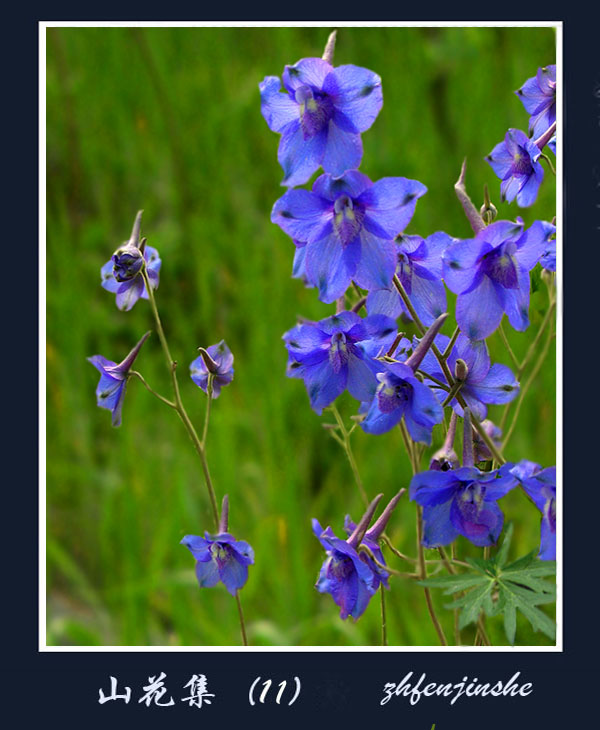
172	367
154	393
345	443
533	347
423	576
446	370
209	392
506	344
527	385
450	345
384	640
242	622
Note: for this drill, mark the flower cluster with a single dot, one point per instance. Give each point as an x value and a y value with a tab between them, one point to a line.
349	234
516	159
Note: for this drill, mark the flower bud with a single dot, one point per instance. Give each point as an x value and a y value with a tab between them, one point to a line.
482	453
461	370
127	262
446	459
488	210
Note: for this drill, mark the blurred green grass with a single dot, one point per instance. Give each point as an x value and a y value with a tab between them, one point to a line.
168	120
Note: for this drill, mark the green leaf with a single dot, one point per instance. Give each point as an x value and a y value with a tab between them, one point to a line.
510	619
454	583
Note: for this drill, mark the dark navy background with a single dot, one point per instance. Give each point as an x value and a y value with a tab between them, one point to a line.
340	687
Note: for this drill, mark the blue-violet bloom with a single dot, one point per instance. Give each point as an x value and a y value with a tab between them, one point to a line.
515	162
338	353
484	383
110	392
538	95
320	116
490	274
540	485
461	502
348	224
216	359
220	558
419	270
401	394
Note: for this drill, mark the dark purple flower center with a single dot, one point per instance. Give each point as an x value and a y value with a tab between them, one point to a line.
500	265
521	164
316	110
393	393
347	219
221	554
340	567
340	349
470	501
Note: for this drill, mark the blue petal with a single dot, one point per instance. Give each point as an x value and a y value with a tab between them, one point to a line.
324	385
362	382
300	157
547	541
390	203
384	301
357	92
308	71
207	574
129	292
378	422
330	266
430	488
198	546
481	527
343	151
303	215
278	109
498	386
516	301
533	244
377	263
428	298
478	312
233	573
351	183
438	530
107	278
460	264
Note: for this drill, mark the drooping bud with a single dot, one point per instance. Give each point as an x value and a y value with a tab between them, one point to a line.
359	531
127	262
375	532
426	341
461	370
488	210
467	439
481	451
224	519
211	365
446	459
128	259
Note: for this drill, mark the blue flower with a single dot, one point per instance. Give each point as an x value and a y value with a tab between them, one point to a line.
122	275
515	162
320	116
110	392
220	558
219	362
348	225
538	95
349	576
338	353
419	269
548	258
484	383
540	485
461	502
490	274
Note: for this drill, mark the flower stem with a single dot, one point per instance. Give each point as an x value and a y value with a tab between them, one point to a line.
533	347
242	622
384	640
172	367
446	370
345	444
450	345
154	393
423	576
506	344
209	392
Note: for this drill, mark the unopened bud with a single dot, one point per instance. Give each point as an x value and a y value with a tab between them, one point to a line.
211	365
446	459
461	370
127	262
488	210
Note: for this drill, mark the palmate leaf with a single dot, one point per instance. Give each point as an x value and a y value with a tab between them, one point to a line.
495	587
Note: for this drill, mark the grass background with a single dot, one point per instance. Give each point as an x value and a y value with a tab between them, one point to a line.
168	120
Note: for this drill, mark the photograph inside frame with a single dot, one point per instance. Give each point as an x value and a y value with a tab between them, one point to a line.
301	299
